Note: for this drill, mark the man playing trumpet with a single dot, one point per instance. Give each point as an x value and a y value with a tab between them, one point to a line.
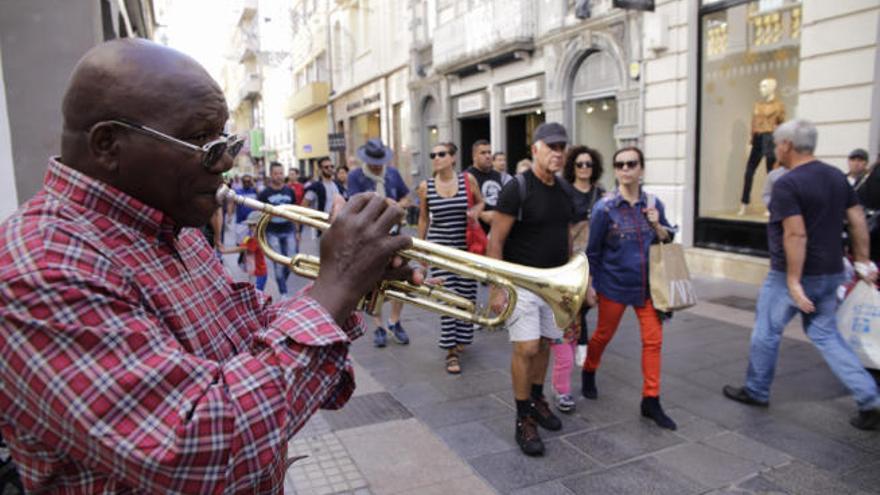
128	358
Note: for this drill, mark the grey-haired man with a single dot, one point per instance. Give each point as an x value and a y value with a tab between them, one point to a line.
807	210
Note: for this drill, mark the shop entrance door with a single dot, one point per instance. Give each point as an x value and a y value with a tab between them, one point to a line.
472	129
520	129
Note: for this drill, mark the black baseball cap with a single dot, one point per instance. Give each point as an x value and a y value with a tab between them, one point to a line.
551	133
858	153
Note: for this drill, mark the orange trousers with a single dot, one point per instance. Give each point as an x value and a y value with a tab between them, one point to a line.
610	313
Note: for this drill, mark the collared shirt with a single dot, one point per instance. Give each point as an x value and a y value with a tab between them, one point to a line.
767	115
130	362
395	187
620	239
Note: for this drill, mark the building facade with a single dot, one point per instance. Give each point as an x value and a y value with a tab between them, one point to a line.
369	69
40	43
680	79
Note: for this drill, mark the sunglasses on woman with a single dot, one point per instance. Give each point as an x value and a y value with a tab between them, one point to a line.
586	164
628	164
439	154
211	152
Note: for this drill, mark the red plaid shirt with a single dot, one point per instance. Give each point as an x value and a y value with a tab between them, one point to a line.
130	362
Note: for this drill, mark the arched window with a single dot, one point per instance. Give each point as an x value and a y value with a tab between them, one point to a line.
598	72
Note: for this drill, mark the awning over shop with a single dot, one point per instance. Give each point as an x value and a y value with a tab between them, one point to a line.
311	135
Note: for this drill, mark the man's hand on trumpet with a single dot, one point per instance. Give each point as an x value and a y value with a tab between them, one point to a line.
357	253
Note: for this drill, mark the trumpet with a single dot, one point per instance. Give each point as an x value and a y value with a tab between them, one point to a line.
563	288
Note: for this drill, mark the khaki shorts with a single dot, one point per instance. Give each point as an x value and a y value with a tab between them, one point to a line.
532	319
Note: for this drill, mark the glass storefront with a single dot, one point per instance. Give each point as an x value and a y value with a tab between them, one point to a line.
364	127
749	57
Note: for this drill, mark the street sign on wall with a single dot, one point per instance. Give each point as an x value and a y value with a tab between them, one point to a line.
336	141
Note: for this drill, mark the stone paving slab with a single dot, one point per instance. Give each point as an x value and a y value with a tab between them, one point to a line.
402	456
639	477
620	442
510	470
707	466
367	409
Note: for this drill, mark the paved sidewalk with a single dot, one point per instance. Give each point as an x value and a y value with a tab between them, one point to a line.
412	428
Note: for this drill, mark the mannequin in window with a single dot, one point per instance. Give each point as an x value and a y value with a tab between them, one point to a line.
767	114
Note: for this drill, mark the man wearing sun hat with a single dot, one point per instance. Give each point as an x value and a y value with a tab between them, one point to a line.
377	175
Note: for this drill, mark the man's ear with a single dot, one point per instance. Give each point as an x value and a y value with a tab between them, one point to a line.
104	146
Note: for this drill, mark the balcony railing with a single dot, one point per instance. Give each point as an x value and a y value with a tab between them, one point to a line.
488	28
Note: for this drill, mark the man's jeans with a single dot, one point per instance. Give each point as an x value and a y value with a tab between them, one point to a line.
776	309
285	244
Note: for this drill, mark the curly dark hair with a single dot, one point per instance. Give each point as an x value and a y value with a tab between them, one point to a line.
571	156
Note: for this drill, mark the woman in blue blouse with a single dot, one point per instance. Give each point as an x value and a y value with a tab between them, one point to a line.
623	226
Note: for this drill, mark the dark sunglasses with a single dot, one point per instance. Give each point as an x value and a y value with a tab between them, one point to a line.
211	152
584	164
439	154
628	164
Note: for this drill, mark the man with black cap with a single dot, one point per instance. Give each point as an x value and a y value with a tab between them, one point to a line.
377	175
531	227
857	162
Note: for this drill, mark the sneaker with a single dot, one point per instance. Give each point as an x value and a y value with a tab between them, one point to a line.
565	403
398	333
867	420
527	437
544	416
380	338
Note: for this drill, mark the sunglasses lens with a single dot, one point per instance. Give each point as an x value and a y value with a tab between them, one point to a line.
214	153
235	148
584	164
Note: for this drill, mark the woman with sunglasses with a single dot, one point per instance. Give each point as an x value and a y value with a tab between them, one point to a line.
443	218
623	226
583	169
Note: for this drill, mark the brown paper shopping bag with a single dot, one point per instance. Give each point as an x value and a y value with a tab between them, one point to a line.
671	286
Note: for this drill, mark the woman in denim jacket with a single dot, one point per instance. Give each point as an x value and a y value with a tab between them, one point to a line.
624	225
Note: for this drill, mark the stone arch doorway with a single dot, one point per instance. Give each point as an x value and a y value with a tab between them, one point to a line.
595	83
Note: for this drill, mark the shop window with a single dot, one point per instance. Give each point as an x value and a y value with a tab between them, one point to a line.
749	59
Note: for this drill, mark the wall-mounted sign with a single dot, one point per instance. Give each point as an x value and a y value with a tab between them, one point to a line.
522	91
365	101
307	148
647	5
336	141
471	103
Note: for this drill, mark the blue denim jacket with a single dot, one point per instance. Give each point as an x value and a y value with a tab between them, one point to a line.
620	238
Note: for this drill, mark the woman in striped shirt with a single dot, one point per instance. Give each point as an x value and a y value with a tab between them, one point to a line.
443	217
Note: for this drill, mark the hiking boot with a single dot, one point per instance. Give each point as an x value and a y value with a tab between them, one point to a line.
380	337
565	403
398	333
544	416
739	394
588	384
867	420
651	409
527	437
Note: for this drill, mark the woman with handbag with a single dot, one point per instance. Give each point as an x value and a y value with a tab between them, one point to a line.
582	171
623	226
448	203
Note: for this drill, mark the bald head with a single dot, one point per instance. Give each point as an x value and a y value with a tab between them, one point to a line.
150	85
133	79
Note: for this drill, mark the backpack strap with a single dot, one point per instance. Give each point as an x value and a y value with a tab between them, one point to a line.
521	184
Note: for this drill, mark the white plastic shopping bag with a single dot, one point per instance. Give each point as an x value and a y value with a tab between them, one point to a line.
858	319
